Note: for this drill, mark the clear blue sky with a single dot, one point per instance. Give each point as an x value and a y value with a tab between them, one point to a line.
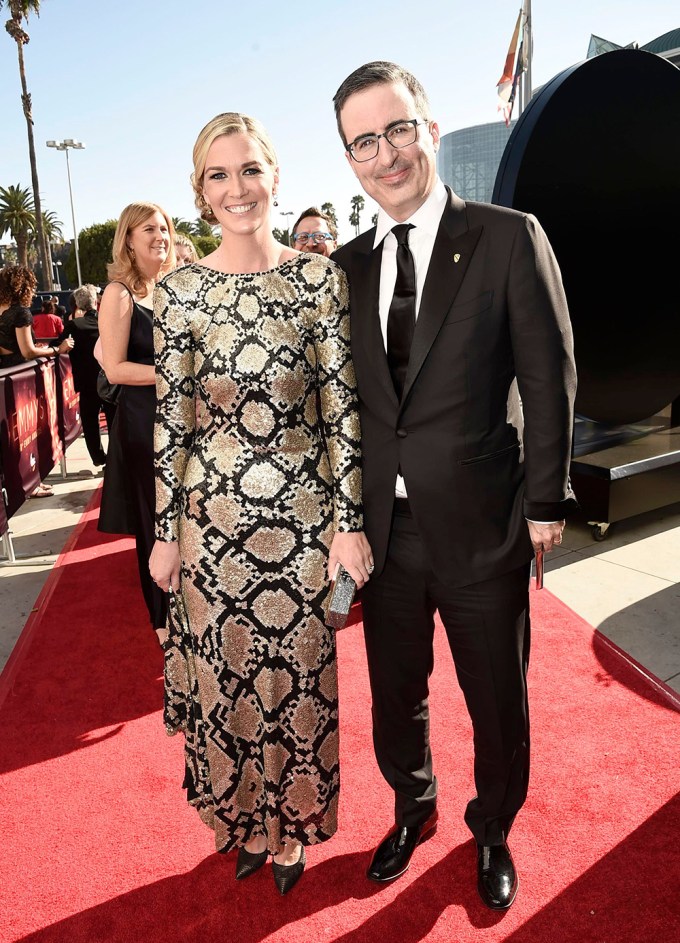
137	79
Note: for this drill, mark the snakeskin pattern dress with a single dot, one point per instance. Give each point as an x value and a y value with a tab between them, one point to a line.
254	484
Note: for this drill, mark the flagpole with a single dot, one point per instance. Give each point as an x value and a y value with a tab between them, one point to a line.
527	39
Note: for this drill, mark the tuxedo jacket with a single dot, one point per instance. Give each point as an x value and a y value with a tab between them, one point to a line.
482	434
85	333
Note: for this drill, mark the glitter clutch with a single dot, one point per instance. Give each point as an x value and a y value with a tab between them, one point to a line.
340	598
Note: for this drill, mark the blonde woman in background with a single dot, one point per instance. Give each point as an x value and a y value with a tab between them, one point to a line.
143	252
185	250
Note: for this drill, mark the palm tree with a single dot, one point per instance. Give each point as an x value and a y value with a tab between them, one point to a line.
19	10
17	215
329	210
182	225
53	234
358	204
52	227
201	228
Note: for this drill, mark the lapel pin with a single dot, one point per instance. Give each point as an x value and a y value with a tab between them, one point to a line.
456	257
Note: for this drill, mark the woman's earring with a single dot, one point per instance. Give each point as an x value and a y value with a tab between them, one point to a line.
276	202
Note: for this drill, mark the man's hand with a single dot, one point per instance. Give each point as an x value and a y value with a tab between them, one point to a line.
545	536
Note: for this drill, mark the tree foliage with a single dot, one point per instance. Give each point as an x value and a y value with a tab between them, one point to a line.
329	210
357	204
183	226
95	244
52	227
201	228
17	216
205	244
19	11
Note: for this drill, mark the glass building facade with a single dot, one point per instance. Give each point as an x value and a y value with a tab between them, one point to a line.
468	159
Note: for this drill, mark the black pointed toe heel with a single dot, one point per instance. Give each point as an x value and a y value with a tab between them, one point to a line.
247	863
286	876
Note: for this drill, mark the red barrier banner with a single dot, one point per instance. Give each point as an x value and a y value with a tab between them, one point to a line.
29	429
69	413
48	388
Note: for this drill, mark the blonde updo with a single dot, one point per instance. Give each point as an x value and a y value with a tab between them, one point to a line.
231	122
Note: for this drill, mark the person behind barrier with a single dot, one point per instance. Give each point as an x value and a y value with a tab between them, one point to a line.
84	330
47	323
17	344
143	252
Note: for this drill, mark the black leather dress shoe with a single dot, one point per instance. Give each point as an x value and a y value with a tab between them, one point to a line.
393	855
497	880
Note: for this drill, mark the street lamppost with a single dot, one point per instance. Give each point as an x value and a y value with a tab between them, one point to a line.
290	234
64	146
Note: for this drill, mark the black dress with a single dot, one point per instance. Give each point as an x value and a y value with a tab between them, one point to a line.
128	496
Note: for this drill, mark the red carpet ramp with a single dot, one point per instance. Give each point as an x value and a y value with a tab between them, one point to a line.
99	845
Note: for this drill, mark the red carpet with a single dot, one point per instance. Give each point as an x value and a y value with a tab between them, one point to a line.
99	845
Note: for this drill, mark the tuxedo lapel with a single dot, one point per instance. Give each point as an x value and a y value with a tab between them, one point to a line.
453	250
366	314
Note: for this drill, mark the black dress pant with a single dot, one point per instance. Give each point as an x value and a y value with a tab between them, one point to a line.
90	407
487	625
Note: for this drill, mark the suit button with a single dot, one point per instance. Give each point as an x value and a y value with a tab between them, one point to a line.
402	433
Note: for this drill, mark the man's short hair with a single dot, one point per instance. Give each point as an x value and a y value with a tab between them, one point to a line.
314	211
380	73
85	297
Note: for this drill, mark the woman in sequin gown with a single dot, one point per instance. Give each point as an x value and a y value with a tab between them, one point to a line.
259	498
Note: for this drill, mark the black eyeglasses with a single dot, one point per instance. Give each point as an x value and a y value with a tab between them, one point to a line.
316	237
401	134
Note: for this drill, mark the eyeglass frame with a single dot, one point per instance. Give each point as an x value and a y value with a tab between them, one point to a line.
395	124
314	236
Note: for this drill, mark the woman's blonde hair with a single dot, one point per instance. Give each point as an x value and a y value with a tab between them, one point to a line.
123	268
182	240
231	122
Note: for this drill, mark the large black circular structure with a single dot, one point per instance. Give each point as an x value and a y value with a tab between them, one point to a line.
596	158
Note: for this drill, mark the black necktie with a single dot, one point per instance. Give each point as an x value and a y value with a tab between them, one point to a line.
401	320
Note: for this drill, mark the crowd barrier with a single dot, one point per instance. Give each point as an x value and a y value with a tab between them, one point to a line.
39	418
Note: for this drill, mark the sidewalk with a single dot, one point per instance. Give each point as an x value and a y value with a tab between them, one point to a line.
627	586
39	530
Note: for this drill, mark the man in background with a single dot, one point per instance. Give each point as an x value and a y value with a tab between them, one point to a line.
84	329
315	232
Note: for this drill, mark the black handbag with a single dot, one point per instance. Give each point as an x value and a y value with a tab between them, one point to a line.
109	392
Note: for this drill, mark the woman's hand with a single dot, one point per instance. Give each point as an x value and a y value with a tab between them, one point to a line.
164	565
354	552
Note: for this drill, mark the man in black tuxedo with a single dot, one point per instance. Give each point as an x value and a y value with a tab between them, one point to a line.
462	347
